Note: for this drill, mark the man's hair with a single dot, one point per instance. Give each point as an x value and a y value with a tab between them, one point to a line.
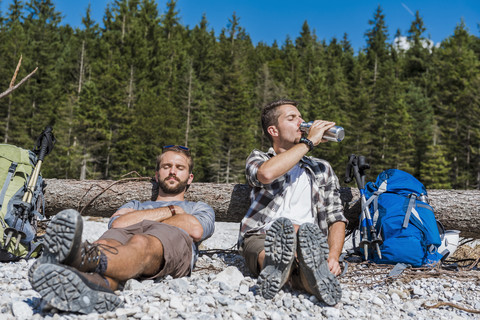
179	149
270	114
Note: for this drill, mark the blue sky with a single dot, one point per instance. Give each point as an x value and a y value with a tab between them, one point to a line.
269	20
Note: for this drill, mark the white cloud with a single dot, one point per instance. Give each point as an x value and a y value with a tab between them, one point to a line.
402	43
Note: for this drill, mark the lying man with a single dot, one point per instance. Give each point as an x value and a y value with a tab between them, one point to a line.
146	240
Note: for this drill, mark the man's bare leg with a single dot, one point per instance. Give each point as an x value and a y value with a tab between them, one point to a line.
142	255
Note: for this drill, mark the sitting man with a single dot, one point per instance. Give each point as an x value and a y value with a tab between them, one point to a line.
146	240
293	194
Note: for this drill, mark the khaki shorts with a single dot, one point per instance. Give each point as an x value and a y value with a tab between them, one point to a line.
177	245
250	249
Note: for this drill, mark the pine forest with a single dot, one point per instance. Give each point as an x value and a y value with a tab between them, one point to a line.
116	91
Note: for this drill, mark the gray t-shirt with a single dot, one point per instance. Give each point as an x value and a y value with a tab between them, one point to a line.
200	210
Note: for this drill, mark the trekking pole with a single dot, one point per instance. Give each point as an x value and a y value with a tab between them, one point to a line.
23	210
377	241
352	169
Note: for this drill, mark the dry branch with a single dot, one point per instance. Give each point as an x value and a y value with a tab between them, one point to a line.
12	88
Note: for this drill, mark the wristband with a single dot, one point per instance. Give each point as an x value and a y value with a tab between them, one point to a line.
308	142
172	210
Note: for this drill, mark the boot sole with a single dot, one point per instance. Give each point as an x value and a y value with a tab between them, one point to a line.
62	239
65	290
312	256
280	247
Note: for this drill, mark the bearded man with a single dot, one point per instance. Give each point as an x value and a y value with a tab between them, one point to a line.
148	240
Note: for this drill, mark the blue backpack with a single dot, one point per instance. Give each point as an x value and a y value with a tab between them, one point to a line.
403	219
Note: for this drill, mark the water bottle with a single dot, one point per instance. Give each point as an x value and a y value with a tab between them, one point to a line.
335	133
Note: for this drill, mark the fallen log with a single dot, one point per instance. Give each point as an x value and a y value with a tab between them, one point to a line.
456	209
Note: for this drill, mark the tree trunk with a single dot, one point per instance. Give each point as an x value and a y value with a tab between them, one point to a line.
227	175
130	89
189	103
80	73
83	169
7	119
455	209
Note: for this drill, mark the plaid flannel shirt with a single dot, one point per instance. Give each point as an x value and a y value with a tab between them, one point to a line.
267	198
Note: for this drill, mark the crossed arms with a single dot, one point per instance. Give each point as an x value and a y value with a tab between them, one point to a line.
188	222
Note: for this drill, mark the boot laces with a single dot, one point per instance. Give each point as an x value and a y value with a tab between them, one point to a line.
91	251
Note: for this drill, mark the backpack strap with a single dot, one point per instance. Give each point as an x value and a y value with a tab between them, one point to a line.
411	210
398	269
411	205
11	172
374	199
35	250
38	194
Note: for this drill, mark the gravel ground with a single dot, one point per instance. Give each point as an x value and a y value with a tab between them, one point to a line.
221	288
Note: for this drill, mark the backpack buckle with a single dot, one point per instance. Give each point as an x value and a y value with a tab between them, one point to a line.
12	167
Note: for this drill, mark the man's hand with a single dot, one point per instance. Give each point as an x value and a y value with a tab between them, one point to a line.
334	266
317	130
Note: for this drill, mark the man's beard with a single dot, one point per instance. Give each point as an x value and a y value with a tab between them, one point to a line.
168	189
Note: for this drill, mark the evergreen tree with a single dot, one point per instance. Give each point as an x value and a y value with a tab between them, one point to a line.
43	50
13	107
378	64
199	99
291	70
392	124
435	168
86	143
377	48
360	133
310	86
236	113
418	55
112	81
457	106
335	105
306	46
421	111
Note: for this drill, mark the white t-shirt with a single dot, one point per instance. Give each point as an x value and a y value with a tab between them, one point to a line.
297	204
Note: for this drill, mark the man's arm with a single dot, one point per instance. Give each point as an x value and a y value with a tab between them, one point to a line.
129	216
181	219
279	165
187	222
336	238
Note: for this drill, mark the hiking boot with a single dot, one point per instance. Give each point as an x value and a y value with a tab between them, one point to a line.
68	289
312	256
89	257
62	244
62	239
280	247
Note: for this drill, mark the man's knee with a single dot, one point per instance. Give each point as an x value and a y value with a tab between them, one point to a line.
144	241
109	242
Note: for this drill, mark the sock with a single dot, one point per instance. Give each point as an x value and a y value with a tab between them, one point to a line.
102	265
106	281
